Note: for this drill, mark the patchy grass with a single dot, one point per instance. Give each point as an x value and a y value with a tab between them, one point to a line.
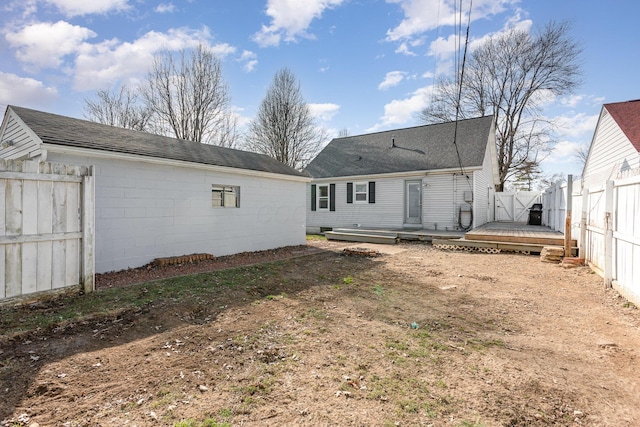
316	237
60	311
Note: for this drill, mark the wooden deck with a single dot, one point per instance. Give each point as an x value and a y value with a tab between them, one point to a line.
513	232
493	236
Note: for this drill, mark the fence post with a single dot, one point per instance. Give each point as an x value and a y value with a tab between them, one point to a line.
583	224
88	231
608	235
567	220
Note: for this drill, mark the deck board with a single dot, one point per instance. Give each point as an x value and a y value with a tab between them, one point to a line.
510	232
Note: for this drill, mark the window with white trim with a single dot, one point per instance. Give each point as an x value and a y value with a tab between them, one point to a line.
360	190
225	196
323	196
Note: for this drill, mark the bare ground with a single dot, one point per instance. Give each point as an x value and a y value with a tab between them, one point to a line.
414	337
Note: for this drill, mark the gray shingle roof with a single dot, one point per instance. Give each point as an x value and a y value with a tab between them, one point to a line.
419	148
67	131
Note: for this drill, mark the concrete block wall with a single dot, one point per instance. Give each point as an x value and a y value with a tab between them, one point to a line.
147	210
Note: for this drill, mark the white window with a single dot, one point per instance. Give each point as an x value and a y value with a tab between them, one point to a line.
225	196
323	196
361	192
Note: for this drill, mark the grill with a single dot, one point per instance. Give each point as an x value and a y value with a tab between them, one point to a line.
535	214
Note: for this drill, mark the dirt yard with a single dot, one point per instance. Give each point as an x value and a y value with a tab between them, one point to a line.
413	337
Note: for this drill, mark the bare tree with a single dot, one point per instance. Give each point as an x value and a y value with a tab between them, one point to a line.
284	127
189	98
581	153
120	109
511	76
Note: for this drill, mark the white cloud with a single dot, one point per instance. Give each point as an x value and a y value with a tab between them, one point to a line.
425	15
574	133
393	78
250	60
45	44
165	8
100	65
578	126
24	91
242	121
445	49
291	19
325	111
85	7
420	16
402	111
403	48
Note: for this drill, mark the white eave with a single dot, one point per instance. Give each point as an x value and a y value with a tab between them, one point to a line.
61	149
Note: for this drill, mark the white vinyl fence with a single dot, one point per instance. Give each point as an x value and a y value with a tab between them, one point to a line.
606	222
514	206
46	227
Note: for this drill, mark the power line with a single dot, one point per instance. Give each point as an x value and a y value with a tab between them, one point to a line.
461	73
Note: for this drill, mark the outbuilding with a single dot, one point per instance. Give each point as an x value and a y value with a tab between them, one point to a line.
158	197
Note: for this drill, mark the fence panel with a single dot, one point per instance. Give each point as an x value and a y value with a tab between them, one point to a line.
44	210
626	235
514	206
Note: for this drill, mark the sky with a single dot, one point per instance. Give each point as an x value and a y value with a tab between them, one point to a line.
363	65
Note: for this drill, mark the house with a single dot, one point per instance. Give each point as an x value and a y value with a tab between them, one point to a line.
615	147
437	177
160	197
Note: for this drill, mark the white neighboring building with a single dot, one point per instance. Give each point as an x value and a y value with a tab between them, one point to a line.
615	148
406	178
158	197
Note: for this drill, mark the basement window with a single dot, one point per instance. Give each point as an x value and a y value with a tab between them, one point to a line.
225	196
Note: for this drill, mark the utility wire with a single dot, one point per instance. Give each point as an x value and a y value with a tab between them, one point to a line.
459	98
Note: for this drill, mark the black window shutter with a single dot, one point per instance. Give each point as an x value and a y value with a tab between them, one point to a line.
349	192
372	191
332	197
313	197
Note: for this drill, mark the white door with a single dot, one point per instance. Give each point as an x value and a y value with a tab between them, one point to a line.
413	202
504	206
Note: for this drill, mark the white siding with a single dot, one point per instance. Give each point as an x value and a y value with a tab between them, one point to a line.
386	212
611	153
17	141
438	206
483	186
442	196
145	211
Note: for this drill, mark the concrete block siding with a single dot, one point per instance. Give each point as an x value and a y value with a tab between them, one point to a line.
147	210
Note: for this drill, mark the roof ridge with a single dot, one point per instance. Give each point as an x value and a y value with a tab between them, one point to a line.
415	127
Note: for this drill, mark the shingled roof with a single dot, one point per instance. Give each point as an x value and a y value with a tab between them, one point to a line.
420	148
627	116
70	132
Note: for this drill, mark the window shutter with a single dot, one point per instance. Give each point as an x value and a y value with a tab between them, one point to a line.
372	191
313	197
349	192
332	197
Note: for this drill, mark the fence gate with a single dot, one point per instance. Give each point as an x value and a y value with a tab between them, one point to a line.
514	207
46	227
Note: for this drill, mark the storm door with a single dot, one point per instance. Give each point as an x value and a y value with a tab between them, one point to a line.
413	202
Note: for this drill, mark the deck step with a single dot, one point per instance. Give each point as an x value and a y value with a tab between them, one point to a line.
536	240
369	232
503	246
389	239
